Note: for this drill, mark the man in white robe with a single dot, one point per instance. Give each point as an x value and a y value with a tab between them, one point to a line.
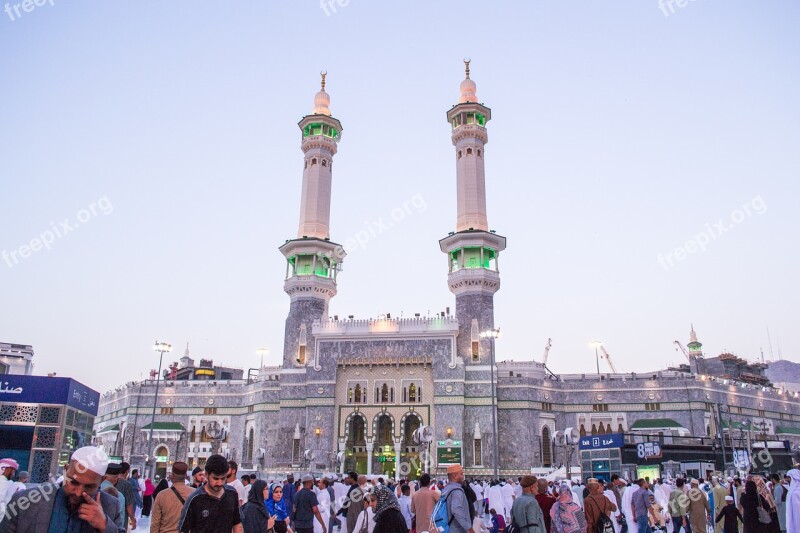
793	501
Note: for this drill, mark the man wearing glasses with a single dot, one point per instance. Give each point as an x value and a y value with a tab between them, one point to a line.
78	506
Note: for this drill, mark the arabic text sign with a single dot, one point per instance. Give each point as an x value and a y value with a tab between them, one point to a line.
448	455
648	450
599	442
55	390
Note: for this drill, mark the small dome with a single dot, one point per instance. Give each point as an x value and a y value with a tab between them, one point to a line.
322	102
468	89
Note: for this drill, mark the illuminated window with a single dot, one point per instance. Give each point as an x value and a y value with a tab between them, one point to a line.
475	350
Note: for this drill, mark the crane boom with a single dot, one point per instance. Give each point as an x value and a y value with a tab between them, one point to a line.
608	360
547	351
683	349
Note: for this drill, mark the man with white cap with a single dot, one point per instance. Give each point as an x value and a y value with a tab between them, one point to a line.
8	467
76	507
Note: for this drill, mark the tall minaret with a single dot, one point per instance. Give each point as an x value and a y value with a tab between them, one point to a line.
695	351
312	259
472	250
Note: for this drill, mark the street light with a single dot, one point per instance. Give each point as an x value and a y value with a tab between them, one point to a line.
160	347
262	352
492	334
596	345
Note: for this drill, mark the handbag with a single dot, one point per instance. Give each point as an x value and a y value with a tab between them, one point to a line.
365	525
763	514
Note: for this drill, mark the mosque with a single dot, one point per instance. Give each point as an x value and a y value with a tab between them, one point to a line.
372	395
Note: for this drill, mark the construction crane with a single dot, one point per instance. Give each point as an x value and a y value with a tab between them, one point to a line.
684	350
550	373
608	359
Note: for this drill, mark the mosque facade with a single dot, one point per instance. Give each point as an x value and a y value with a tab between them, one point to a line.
352	394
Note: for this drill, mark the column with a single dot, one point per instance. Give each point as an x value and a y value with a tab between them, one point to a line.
397	449
369	458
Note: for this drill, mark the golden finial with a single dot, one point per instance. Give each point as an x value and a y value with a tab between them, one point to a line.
466	65
323	74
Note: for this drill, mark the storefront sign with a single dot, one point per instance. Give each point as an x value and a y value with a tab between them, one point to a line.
612	440
47	390
648	450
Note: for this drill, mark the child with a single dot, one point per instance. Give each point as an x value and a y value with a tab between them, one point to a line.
731	514
498	522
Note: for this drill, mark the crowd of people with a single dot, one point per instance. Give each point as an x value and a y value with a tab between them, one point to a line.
95	495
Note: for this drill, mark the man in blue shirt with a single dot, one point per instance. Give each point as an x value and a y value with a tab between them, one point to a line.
288	494
640	506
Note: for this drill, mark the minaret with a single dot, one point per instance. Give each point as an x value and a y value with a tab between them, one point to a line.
472	250
695	351
312	260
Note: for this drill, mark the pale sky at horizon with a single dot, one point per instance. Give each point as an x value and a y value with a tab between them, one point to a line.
618	135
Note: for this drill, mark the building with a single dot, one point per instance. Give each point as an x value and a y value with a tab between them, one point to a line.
16	359
43	420
350	394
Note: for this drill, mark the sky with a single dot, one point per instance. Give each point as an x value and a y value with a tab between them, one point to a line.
642	163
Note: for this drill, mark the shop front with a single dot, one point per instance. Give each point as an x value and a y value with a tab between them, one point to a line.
601	456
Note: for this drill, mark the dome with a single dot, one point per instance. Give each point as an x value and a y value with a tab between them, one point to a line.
322	102
468	89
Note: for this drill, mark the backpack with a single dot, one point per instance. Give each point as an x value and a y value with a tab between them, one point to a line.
603	524
441	517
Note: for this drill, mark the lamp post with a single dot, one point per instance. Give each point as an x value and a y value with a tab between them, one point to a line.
492	335
596	345
160	347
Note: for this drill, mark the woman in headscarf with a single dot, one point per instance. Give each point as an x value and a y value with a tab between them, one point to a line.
276	507
149	488
566	515
255	518
768	503
750	502
388	518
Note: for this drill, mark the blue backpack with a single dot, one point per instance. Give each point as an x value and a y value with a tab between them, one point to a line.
441	518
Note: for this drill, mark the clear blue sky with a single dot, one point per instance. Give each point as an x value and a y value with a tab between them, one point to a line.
618	134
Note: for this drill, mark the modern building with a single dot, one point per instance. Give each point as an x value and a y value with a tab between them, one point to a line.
43	420
16	359
350	394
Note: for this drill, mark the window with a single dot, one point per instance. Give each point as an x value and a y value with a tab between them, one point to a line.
167	410
475	350
385	393
250	440
599	407
324	163
209	411
469	151
652	407
546	406
358	394
412	393
480	152
546	447
459	154
478	459
301	355
583	431
313	161
251	408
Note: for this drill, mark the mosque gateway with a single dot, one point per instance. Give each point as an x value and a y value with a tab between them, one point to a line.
372	395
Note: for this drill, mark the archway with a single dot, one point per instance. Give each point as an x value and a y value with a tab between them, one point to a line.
383	451
356	443
162	460
410	451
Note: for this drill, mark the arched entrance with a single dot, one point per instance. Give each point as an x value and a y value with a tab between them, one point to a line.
356	443
162	460
547	456
383	462
410	451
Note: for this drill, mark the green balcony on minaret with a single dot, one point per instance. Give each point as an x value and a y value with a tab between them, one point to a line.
310	265
318	128
473	257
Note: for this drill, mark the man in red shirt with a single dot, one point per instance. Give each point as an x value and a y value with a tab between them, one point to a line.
545	501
